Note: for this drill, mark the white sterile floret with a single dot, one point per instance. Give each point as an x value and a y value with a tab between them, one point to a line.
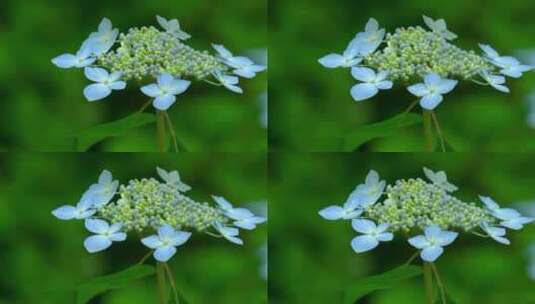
173	178
102	40
83	58
241	65
369	193
104	190
105	83
105	235
510	66
350	57
242	217
165	242
496	233
369	40
372	235
229	233
82	210
164	91
229	82
439	26
510	218
431	90
496	81
432	241
440	179
372	83
350	210
173	27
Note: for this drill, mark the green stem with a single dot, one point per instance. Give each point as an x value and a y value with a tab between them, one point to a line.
144	258
412	258
179	147
411	106
439	131
428	282
160	278
160	130
439	283
428	131
171	279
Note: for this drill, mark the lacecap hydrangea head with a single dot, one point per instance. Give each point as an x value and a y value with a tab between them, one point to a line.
146	206
111	59
425	211
378	59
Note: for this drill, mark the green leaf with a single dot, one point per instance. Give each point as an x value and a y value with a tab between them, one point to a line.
93	135
86	291
382	281
386	128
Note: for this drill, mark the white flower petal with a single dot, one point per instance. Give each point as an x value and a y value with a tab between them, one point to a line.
164	102
163	254
430	102
430	254
432	79
96	74
96	91
179	238
332	61
179	86
166	232
65	61
222	202
151	90
332	213
118	237
96	243
447	237
363	243
385	237
97	226
419	242
433	231
117	85
384	85
419	90
165	80
152	241
65	212
363	91
446	85
363	226
363	74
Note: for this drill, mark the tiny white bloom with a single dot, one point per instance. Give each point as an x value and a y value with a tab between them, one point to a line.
247	70
369	40
489	51
496	81
105	235
372	83
105	83
104	190
368	193
229	233
229	82
173	27
439	26
510	66
82	210
372	235
350	210
432	90
496	233
164	91
350	57
165	242
173	178
440	179
248	223
432	241
243	66
102	40
242	217
83	58
510	218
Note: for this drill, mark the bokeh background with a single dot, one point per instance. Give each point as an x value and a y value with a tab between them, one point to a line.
311	106
311	260
43	107
43	259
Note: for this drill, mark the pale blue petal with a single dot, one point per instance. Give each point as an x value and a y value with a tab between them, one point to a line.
364	243
363	91
105	25
151	90
505	213
332	61
382	227
118	237
489	202
384	85
116	227
179	86
96	243
447	237
419	90
65	212
235	240
433	231
447	85
96	91
86	62
165	80
430	102
85	214
179	238
430	254
233	88
223	52
245	73
97	226
115	76
352	214
65	61
419	242
385	237
363	74
332	213
363	226
117	85
432	79
96	74
152	241
163	254
222	202
489	51
164	102
166	232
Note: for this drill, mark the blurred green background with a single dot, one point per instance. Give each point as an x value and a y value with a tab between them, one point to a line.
311	106
43	258
43	106
311	260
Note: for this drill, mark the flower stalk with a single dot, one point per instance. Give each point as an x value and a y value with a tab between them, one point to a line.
428	282
428	131
160	280
160	130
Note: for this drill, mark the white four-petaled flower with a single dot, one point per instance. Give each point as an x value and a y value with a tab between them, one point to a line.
350	57
372	83
432	241
351	209
83	58
228	81
431	90
496	81
368	193
173	27
82	210
369	40
173	178
440	179
509	218
105	83
496	233
102	40
105	235
510	66
243	218
165	242
104	190
164	91
372	235
439	26
243	66
229	233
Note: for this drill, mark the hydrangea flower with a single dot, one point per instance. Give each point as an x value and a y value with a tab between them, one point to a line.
410	206
144	205
369	40
105	83
241	65
104	39
165	242
229	82
432	242
431	90
439	26
165	90
509	65
173	27
496	81
104	236
372	83
83	58
372	235
350	57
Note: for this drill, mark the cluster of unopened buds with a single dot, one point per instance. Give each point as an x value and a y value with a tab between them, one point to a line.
426	210
160	211
412	54
147	53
